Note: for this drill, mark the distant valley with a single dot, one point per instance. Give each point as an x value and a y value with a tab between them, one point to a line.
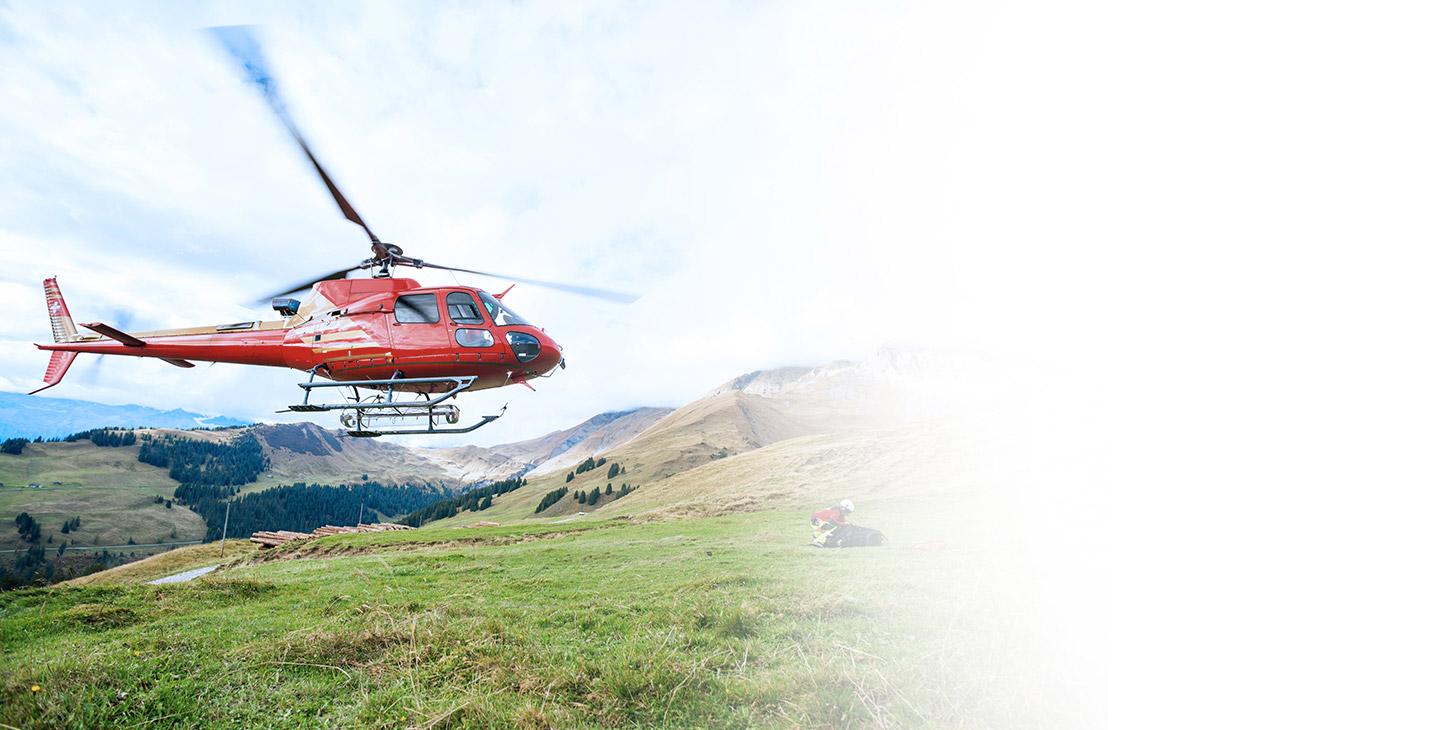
30	416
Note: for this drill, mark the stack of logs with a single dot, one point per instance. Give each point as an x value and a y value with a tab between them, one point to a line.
268	538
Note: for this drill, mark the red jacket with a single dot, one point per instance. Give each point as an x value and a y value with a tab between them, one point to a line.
833	515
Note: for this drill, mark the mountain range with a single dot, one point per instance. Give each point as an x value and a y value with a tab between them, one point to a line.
31	416
761	440
306	452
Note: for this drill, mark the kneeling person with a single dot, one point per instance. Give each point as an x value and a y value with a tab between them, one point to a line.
827	521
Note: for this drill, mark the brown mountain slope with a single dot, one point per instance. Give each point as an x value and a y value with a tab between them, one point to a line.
766	407
557	450
305	452
832	420
867	466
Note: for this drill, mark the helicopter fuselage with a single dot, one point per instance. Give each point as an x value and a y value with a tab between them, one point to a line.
360	330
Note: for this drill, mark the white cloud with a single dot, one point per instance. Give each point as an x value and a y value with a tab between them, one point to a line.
777	181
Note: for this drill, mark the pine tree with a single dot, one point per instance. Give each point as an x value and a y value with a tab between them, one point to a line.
595	496
551	497
609	489
570	477
614	471
485	504
28	528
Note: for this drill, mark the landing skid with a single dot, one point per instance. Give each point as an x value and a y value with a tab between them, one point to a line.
359	415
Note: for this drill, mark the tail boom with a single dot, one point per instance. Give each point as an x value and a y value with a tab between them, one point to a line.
246	343
261	347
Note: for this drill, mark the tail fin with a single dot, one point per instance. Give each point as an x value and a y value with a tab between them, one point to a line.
61	326
59	363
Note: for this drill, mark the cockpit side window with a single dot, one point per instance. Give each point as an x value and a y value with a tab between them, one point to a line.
502	314
417	309
462	308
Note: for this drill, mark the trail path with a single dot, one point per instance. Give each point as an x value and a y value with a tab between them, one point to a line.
183	577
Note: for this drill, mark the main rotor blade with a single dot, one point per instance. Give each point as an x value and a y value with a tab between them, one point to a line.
584	291
245	49
332	276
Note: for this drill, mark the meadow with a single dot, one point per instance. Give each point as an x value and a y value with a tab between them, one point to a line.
112	492
726	621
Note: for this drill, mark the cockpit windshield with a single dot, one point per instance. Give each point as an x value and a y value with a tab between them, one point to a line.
502	314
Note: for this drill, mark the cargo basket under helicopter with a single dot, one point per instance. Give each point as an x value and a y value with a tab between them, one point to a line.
381	414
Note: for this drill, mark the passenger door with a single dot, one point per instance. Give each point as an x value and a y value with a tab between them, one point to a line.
418	335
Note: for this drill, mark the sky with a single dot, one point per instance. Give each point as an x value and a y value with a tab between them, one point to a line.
775	180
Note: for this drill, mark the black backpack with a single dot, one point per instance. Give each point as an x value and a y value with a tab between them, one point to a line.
855	536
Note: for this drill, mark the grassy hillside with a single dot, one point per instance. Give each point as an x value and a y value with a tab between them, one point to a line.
171	562
112	493
305	452
718	622
805	471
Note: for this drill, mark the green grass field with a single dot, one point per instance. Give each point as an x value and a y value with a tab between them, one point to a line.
112	493
727	621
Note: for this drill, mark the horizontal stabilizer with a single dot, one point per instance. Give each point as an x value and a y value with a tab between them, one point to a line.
177	362
114	334
59	363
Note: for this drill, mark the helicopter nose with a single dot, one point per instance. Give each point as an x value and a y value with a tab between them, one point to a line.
537	351
551	353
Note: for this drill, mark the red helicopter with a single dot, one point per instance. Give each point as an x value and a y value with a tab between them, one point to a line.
423	344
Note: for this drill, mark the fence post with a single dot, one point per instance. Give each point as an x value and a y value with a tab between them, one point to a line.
225	530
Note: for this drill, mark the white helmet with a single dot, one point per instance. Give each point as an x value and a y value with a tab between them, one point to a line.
847	505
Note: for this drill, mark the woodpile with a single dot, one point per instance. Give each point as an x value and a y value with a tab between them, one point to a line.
271	539
268	538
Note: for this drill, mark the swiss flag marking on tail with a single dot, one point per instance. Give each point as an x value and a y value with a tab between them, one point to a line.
61	326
